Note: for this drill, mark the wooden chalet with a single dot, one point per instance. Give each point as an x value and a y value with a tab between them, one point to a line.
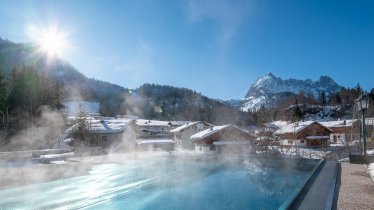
104	132
223	139
343	131
182	134
308	134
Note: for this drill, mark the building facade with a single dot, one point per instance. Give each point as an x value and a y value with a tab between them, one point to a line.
224	139
304	134
182	135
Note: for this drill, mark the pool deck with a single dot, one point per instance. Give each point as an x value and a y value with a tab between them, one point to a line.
355	188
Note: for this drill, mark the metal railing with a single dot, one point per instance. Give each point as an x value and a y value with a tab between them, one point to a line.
327	152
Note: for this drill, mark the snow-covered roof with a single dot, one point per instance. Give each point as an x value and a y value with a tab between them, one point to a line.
212	130
155	141
179	123
187	125
145	122
228	142
108	125
209	131
295	127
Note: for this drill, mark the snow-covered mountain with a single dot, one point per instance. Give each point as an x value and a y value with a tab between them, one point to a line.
270	90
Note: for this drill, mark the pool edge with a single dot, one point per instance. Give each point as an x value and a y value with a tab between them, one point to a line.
319	192
301	187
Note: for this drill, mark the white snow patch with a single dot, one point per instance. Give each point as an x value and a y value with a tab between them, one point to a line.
370	152
371	169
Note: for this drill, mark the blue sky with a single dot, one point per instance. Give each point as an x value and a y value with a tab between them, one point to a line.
216	47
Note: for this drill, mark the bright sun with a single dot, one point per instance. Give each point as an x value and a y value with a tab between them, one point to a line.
51	41
52	44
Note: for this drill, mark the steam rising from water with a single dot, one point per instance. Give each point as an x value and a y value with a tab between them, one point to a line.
43	133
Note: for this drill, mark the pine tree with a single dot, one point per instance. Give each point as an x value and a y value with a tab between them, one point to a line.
322	98
58	99
4	114
3	90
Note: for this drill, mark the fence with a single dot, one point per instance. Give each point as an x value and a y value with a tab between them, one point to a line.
328	152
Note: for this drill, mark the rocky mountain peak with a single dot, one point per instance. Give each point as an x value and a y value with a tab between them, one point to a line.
270	89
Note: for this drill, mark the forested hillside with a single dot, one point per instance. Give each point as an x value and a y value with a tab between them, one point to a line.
171	103
17	55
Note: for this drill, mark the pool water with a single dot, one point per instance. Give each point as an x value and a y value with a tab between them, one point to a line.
170	183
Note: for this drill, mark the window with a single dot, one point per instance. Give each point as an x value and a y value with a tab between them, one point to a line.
200	148
302	141
212	148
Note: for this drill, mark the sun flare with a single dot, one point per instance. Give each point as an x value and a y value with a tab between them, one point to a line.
52	44
51	41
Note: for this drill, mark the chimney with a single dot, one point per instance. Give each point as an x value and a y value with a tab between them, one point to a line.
344	122
211	128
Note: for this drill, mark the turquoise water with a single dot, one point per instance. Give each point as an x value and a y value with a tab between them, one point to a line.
169	183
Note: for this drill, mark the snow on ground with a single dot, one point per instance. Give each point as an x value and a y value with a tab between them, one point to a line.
371	169
370	152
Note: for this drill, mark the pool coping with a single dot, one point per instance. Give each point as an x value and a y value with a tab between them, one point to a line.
319	191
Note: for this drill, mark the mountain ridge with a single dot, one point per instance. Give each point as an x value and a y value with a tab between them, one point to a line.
270	90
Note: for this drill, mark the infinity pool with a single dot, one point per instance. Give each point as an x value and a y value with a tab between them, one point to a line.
171	183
